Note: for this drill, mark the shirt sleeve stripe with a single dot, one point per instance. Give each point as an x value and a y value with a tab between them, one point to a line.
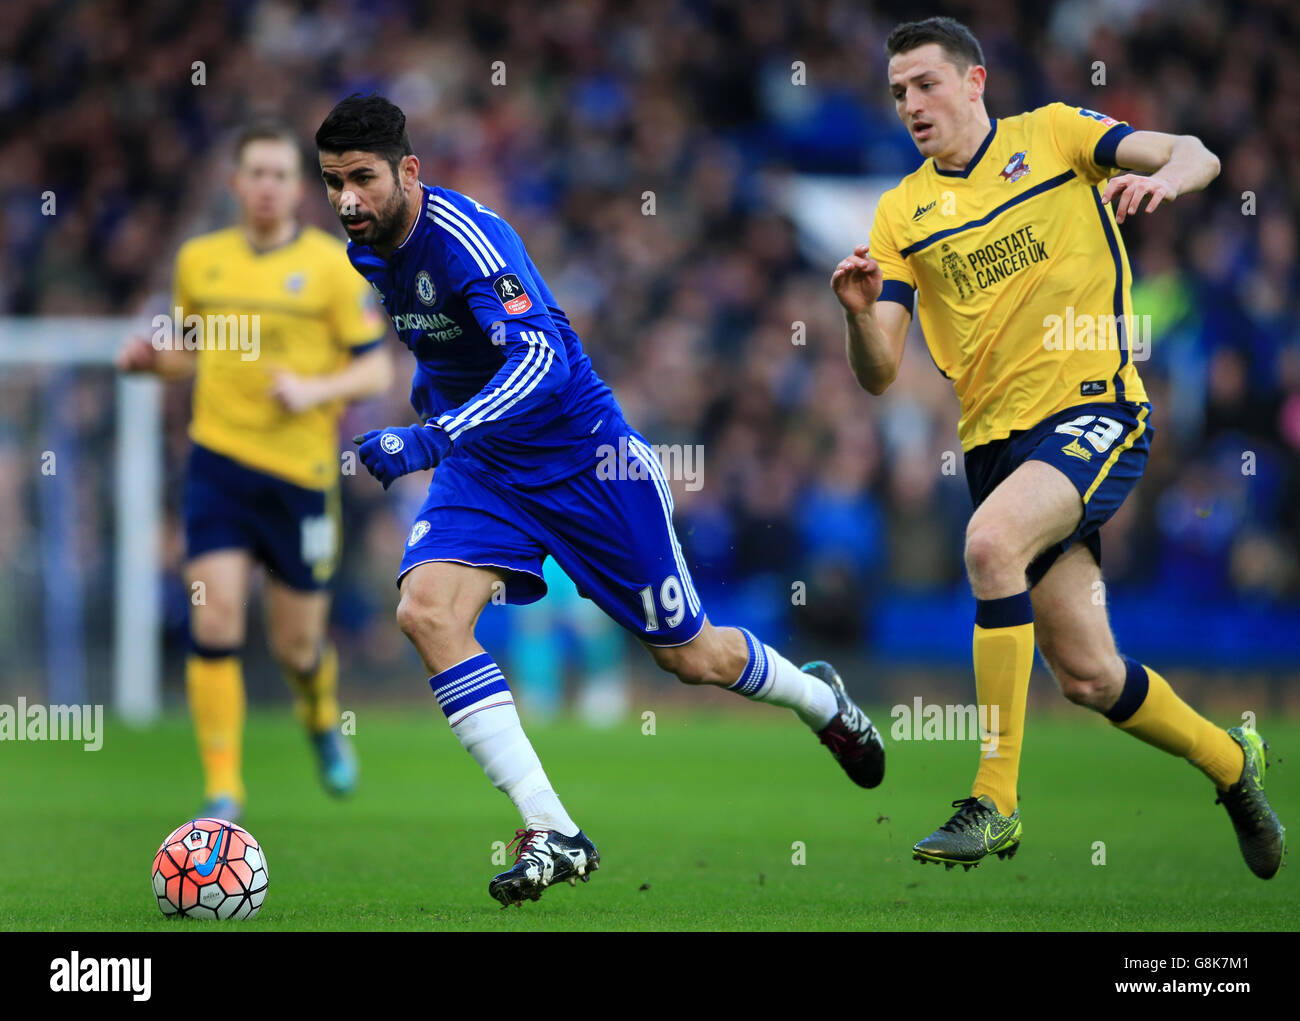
454	231
897	290
536	340
521	383
535	378
476	234
517	379
1104	154
453	422
504	399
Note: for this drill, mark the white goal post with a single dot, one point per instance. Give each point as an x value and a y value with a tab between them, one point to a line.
138	515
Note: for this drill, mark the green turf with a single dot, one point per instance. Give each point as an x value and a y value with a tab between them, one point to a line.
696	826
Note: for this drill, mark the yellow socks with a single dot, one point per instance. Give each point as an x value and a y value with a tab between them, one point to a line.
316	692
1003	650
216	692
1148	709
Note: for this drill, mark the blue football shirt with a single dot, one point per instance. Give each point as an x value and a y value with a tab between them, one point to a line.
498	366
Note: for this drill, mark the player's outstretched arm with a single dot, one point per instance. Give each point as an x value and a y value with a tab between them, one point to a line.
139	355
1176	164
875	330
364	376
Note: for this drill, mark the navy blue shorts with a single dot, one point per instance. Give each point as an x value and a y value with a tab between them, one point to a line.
292	530
1102	448
610	528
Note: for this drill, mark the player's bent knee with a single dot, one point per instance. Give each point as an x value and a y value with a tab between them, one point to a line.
1076	690
426	615
417	616
683	661
298	652
692	670
217	625
987	552
1086	684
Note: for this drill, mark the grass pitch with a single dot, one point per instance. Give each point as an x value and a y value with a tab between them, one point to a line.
738	821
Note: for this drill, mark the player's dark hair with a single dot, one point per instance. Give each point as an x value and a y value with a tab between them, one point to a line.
266	129
957	41
366	124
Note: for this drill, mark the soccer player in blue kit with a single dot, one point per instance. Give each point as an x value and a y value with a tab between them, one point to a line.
516	423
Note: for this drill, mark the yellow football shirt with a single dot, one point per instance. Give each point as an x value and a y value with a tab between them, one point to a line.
1021	279
300	307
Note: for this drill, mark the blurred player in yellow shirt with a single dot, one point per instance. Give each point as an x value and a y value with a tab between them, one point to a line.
279	334
1005	240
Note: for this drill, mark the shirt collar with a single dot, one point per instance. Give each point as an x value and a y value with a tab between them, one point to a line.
419	218
974	160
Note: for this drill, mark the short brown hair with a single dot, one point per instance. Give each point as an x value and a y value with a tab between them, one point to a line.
266	129
956	40
368	123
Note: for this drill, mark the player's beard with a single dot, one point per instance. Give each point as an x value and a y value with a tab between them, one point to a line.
386	229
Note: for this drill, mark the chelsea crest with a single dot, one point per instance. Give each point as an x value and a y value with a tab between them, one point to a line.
424	287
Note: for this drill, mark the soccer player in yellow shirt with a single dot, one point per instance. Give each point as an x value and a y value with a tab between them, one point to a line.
1006	240
278	333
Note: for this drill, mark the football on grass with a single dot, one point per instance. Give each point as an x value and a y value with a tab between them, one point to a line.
209	868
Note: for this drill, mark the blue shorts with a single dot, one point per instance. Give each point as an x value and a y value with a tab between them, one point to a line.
292	530
609	528
1102	449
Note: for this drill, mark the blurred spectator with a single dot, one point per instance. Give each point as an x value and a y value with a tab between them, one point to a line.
122	112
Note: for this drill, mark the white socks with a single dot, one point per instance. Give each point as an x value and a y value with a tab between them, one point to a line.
499	745
770	677
481	712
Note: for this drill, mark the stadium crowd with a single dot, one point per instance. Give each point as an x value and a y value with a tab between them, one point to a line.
688	313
